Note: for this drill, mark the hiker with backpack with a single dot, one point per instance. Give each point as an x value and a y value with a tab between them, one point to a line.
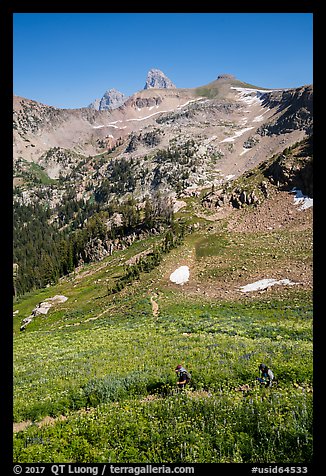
183	376
266	375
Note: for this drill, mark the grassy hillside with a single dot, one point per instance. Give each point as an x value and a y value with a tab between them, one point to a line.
218	88
94	379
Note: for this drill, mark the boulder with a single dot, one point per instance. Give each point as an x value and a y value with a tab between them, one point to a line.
42	309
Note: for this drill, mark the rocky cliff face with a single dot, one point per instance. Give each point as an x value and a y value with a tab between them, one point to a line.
294	167
111	99
156	79
294	110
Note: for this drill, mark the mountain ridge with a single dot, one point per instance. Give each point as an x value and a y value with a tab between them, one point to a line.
38	127
221	78
223	130
112	98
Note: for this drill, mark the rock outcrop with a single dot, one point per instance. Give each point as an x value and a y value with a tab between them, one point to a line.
294	168
237	198
141	102
42	309
226	76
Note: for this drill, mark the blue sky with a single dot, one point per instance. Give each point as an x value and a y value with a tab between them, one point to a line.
67	60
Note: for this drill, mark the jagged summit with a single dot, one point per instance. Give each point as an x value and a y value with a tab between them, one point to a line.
111	99
95	104
156	79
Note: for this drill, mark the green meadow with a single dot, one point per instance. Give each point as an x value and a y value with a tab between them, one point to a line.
100	367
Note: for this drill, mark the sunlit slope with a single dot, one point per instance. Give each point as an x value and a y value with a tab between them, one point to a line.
222	87
103	364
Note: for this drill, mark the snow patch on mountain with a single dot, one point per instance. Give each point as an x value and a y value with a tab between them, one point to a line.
264	284
303	200
236	135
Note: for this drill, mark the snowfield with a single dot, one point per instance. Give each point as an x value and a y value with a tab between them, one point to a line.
250	96
264	284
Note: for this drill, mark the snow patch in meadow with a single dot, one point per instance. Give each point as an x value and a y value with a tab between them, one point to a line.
264	284
303	200
180	275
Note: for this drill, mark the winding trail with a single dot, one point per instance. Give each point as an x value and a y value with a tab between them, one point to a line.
46	421
154	306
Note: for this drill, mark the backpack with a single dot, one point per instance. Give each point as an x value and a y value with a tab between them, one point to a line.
187	375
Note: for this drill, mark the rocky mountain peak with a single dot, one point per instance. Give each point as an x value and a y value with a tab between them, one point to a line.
95	104
111	99
156	79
